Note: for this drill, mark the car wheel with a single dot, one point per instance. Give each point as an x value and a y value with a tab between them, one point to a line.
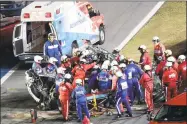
101	35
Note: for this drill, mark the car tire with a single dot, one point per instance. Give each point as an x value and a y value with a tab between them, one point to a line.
101	35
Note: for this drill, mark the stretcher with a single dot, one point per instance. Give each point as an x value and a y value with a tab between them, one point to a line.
96	103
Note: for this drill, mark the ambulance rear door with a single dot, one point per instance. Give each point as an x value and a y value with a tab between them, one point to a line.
17	41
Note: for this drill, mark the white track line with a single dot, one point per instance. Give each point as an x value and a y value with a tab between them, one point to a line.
141	24
9	73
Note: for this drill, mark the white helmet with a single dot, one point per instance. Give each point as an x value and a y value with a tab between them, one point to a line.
78	81
122	65
96	67
52	60
143	47
83	60
67	76
37	59
130	59
63	57
122	57
116	49
147	67
106	62
156	38
114	62
119	74
171	59
182	57
168	52
168	64
61	70
104	67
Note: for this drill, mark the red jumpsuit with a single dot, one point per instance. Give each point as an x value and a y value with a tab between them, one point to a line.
182	76
169	79
70	62
159	50
145	59
65	90
79	72
160	69
146	81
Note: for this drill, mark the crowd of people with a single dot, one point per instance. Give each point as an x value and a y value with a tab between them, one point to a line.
122	75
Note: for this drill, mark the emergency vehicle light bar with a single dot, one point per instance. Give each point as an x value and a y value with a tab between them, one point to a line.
48	15
26	15
37	6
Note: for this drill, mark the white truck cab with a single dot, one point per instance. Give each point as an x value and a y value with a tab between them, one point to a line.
67	20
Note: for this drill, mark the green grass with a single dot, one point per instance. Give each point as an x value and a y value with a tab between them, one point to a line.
169	24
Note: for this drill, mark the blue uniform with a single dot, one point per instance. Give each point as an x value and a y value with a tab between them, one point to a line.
121	94
51	68
53	50
37	68
103	81
133	75
79	94
92	81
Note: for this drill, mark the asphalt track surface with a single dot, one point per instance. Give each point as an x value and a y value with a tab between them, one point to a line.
120	19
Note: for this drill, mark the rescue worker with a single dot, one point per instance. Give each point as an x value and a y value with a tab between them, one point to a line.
36	65
114	79
65	90
121	94
59	79
107	63
51	67
168	53
92	81
115	52
122	59
66	63
133	75
182	73
103	79
174	62
52	48
79	71
159	49
145	59
170	78
114	69
160	67
81	104
146	81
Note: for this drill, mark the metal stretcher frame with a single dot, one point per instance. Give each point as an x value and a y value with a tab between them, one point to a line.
96	101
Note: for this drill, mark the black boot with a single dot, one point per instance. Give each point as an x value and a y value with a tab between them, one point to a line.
118	116
129	115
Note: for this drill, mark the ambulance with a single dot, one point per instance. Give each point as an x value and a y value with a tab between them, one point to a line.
71	22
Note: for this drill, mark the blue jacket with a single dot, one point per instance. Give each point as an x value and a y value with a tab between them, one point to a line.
121	87
37	68
52	49
79	94
103	80
133	71
92	81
